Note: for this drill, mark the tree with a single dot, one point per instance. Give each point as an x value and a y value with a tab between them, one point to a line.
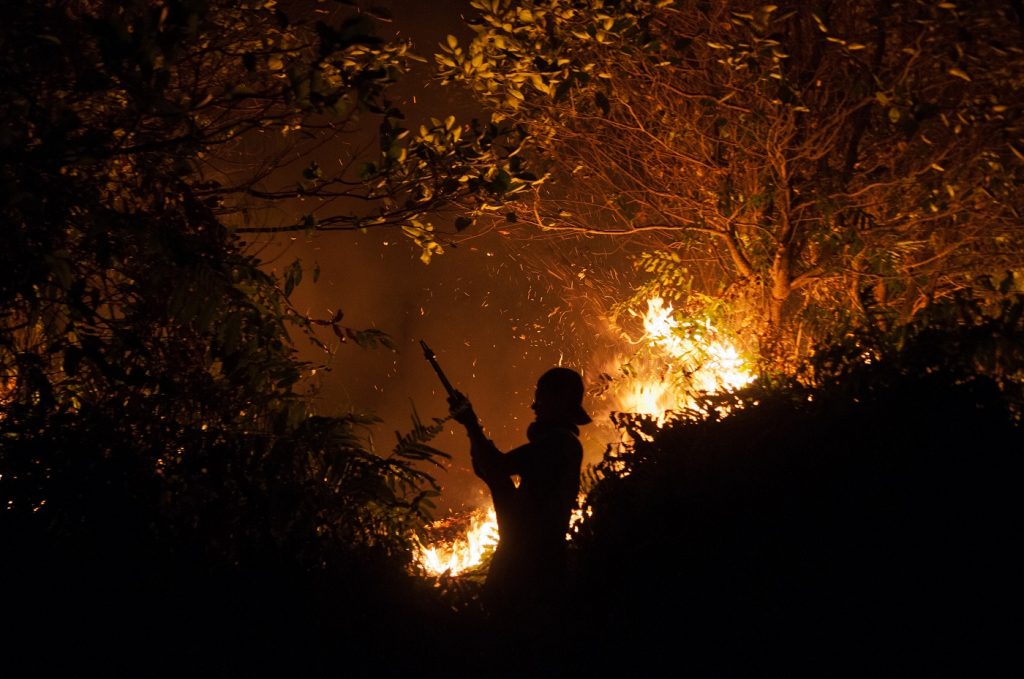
155	440
151	399
812	163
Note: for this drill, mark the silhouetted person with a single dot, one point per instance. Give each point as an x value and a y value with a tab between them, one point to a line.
527	576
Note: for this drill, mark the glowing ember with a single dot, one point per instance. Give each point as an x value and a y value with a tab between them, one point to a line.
579	515
466	549
691	358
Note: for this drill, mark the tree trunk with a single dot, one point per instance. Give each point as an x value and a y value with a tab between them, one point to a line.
781	286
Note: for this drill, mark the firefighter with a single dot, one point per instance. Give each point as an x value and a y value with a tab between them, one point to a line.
528	571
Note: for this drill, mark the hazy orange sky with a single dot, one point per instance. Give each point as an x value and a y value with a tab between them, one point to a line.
494	318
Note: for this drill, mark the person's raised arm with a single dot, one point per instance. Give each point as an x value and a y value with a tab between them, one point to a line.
485	455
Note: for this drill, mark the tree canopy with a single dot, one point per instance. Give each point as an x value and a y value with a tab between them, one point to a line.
150	392
156	436
813	164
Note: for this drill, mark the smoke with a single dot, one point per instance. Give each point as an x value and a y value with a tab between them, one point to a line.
497	309
494	310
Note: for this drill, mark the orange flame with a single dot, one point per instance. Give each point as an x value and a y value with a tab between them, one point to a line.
698	351
692	357
466	550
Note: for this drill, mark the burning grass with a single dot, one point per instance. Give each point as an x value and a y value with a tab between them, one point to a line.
677	360
459	542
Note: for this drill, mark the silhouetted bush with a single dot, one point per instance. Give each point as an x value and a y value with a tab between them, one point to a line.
862	517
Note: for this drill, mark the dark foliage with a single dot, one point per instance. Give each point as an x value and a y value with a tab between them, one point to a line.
169	505
167	501
863	521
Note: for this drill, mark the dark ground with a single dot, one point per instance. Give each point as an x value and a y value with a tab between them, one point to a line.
836	539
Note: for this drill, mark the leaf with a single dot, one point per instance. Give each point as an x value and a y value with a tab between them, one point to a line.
398	152
313	172
292	277
501	183
367	171
959	73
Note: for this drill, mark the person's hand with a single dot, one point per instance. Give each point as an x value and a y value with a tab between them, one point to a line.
461	409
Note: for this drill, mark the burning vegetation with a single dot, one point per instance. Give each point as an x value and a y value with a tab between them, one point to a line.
679	359
459	542
850	180
673	363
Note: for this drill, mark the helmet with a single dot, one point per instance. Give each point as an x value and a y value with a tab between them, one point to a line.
564	387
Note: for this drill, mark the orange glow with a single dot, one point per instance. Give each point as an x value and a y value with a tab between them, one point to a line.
466	550
688	358
579	515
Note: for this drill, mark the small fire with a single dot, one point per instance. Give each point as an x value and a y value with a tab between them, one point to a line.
579	515
691	357
463	551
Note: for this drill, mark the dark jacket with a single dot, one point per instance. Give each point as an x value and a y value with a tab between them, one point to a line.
533	518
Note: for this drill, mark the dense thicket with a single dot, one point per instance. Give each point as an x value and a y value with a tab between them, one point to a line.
863	517
165	491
